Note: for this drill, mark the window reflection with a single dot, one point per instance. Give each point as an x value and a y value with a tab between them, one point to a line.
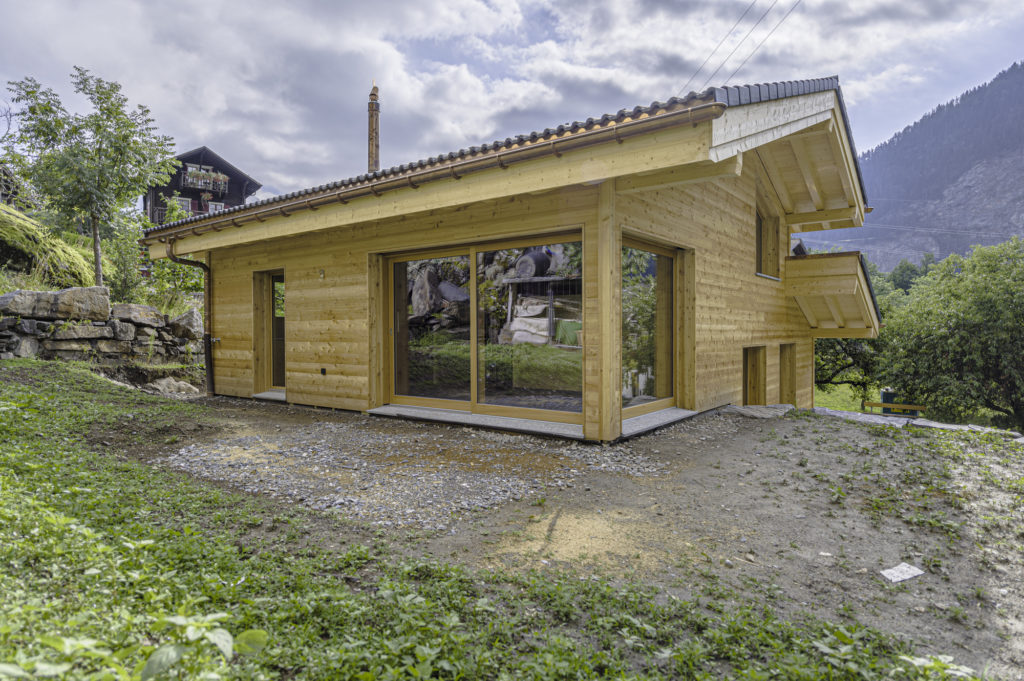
530	327
432	324
646	326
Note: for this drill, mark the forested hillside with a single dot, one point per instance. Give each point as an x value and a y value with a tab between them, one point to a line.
953	179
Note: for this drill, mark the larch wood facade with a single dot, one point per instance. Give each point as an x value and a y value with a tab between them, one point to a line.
692	187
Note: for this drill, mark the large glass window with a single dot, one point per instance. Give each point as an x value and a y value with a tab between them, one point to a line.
530	327
647	327
432	328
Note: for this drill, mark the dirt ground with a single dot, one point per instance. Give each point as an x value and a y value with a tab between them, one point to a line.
800	513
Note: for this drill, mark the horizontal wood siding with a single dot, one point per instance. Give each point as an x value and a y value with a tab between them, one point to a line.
735	308
327	319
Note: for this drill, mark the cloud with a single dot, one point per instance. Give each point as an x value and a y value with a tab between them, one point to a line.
280	89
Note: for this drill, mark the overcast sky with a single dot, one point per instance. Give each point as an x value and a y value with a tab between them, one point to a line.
280	88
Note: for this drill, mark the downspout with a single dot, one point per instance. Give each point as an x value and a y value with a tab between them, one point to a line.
207	315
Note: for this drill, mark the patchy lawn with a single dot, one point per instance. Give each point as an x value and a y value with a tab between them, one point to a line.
753	552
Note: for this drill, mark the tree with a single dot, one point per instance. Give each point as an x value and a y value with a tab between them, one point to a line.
87	166
123	250
906	273
857	362
172	282
957	344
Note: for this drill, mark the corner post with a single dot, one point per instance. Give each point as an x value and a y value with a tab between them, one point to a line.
602	258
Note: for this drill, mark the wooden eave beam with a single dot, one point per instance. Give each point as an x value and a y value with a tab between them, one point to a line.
843	166
771	171
833	307
847	332
694	172
803	162
806	310
820	216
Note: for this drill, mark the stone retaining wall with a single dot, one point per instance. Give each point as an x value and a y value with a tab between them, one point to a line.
80	324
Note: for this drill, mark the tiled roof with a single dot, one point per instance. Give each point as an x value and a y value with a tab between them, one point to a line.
730	96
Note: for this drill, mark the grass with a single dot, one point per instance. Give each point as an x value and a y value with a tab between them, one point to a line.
841	397
26	247
113	568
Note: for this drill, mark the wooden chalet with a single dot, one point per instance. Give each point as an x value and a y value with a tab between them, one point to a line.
592	280
204	183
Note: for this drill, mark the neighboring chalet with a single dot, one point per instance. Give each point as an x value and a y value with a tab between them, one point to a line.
592	280
205	183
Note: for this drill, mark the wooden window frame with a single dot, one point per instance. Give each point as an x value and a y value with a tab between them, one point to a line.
766	245
471	406
262	350
671	400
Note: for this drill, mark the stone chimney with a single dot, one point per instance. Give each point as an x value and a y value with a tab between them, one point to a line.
374	136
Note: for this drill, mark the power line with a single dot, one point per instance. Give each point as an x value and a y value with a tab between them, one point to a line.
742	40
763	40
724	37
941	230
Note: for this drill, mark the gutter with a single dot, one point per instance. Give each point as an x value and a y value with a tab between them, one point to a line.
207	314
618	132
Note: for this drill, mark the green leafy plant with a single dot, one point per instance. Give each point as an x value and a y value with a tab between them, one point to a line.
87	165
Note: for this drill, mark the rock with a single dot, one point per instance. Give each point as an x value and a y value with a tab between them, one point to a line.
8	323
426	294
67	345
173	386
117	346
527	337
26	347
140	315
164	336
450	291
123	331
537	326
82	331
144	333
188	325
29	327
92	304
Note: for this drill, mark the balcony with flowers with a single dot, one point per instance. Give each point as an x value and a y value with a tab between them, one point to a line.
210	180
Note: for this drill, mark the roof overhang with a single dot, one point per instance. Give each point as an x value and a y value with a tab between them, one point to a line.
795	134
803	148
651	142
833	292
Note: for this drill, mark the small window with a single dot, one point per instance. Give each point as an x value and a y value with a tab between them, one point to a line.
214	206
766	245
184	202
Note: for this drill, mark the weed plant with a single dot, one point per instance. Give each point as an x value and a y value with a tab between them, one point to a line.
111	568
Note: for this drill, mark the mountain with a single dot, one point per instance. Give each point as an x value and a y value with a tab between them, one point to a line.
953	179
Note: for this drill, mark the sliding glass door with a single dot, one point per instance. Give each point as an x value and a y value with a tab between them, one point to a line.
431	327
530	327
495	329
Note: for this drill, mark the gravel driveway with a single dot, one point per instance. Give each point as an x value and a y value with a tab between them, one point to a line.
395	473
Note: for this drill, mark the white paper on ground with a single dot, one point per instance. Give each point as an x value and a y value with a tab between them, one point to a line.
901	572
